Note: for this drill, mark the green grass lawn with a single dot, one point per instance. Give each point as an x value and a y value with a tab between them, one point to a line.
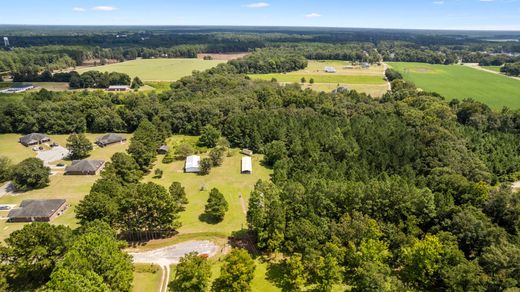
146	278
332	78
157	69
71	188
460	82
492	68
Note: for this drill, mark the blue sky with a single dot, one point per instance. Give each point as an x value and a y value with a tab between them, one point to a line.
410	14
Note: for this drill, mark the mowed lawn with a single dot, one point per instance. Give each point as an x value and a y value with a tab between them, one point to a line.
71	188
370	81
492	68
460	82
157	69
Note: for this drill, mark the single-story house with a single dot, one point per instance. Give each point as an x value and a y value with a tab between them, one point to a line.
18	88
34	139
329	69
37	210
247	152
164	149
118	88
247	165
109	139
85	167
192	164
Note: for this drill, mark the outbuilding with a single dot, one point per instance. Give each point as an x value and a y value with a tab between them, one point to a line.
18	88
85	167
118	88
164	149
192	164
247	165
246	152
329	69
109	139
37	210
34	139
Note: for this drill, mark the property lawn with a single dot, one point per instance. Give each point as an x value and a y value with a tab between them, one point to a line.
71	188
370	81
157	69
460	82
147	278
492	68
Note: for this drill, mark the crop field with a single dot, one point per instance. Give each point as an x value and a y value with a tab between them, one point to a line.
460	82
71	188
157	69
370	81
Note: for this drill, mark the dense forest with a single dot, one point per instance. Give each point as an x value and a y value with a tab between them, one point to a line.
409	192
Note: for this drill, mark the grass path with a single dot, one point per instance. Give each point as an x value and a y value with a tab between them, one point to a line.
488	69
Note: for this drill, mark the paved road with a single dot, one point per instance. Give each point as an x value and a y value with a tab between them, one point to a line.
54	154
6	189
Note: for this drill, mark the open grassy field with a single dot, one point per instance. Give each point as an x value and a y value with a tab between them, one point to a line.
455	81
71	188
157	69
492	68
369	80
147	278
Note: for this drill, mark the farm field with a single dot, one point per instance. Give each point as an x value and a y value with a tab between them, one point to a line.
71	188
223	57
460	82
157	69
369	80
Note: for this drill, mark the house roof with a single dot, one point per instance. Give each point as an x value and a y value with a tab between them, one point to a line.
110	138
164	148
33	138
84	166
247	164
118	87
36	208
192	161
22	86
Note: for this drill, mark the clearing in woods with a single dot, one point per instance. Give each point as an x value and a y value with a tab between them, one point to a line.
460	82
157	69
370	80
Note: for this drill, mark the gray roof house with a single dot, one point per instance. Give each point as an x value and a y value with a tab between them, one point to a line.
110	139
84	167
34	139
37	210
164	149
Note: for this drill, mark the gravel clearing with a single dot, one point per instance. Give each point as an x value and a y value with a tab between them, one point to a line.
172	254
55	154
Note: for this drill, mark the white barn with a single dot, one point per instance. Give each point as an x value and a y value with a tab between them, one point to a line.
247	165
192	164
329	69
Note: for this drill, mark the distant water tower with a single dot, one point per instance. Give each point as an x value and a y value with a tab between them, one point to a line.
6	42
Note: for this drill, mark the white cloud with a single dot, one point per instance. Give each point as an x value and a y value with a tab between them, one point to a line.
258	5
104	8
78	9
313	15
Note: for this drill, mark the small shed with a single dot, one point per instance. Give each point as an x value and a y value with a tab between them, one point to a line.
85	167
330	69
34	139
192	164
365	65
37	210
109	139
247	152
164	149
118	88
247	165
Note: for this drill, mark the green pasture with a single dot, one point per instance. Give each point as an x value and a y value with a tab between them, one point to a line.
460	82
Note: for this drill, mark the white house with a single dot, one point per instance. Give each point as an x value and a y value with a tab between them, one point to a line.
247	165
18	88
118	88
192	164
329	69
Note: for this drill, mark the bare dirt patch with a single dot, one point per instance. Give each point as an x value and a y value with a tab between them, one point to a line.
422	70
223	57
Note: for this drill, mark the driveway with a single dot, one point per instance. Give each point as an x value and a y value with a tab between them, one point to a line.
172	254
6	189
54	154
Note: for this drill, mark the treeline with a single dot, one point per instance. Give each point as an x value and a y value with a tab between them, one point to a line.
512	69
96	79
270	61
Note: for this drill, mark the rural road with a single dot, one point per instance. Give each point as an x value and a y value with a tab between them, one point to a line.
6	189
476	66
166	256
385	66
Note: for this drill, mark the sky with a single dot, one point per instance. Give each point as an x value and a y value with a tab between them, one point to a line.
407	14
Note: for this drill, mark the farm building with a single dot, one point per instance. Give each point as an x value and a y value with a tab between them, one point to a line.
340	89
365	65
247	152
118	88
109	139
164	149
192	164
34	139
247	165
85	167
18	88
329	69
37	210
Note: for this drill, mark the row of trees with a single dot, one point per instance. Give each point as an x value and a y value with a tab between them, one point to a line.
96	79
27	175
270	61
512	69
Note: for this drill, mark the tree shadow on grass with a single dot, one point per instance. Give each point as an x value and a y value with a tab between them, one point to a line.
206	218
276	275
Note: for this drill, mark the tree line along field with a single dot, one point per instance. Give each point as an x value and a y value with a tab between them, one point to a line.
370	81
460	82
157	69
